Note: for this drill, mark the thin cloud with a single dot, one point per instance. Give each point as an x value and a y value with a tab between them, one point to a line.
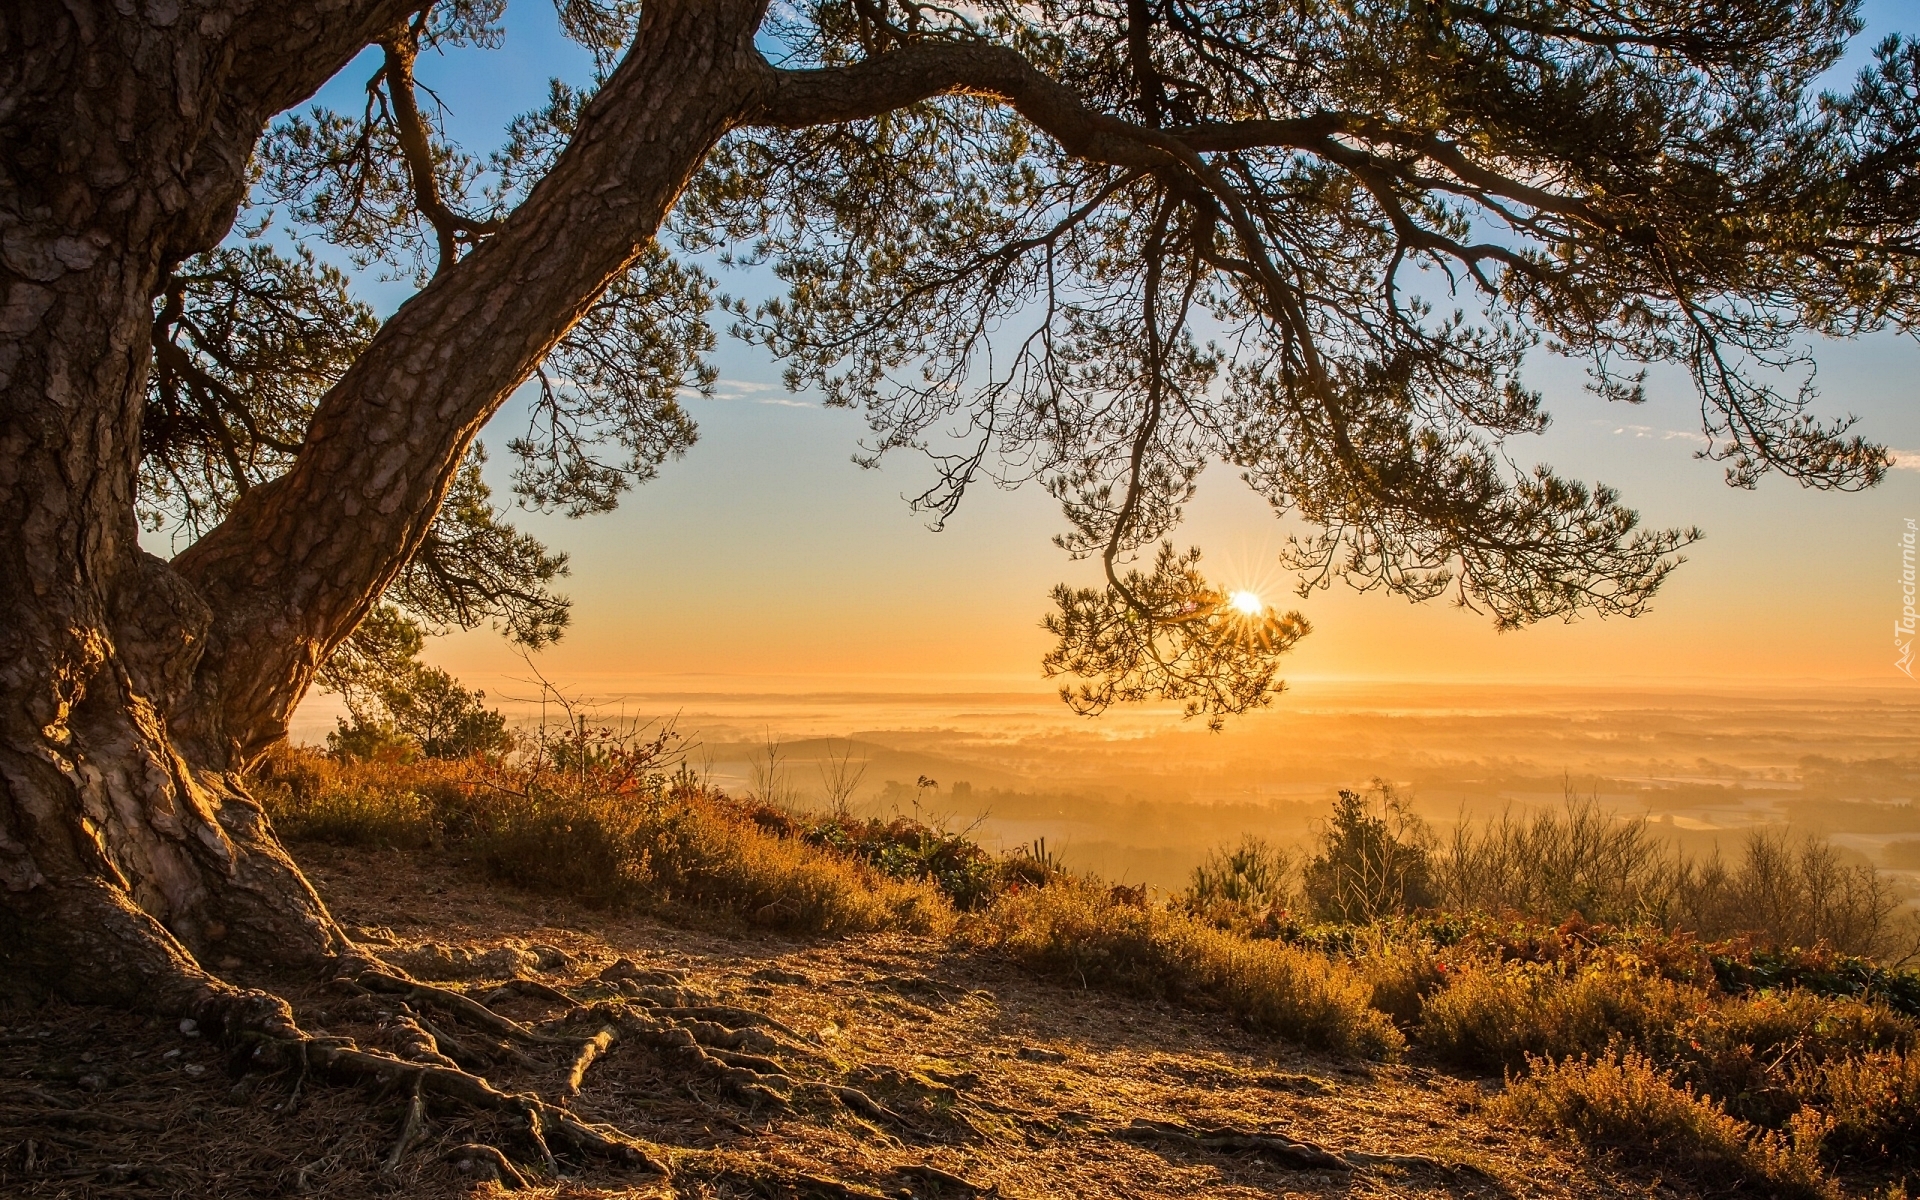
756	393
1905	460
1664	435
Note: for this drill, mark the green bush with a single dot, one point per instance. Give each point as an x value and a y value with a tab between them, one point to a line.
907	849
1374	860
1252	877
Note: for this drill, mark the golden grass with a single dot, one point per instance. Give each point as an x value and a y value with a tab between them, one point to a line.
403	805
1802	1024
1400	972
600	840
686	850
1624	1102
1076	930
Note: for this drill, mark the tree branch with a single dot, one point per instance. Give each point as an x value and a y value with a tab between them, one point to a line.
301	559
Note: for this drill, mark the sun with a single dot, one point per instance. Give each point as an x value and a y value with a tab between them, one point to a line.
1248	603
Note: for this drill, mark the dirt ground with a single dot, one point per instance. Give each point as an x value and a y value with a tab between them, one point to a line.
984	1080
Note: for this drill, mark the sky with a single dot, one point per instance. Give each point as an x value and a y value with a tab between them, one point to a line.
766	561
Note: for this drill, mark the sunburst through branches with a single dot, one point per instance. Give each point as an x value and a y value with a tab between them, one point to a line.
1169	634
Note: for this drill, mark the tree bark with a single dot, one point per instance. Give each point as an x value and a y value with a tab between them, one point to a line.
300	560
132	690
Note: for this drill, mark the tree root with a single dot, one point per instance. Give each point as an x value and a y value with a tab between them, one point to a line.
787	1185
1283	1149
543	1120
462	1007
436	1042
1308	1156
590	1050
943	1181
410	1129
485	1162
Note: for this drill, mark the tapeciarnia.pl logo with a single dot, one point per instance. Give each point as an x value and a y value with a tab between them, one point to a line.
1903	639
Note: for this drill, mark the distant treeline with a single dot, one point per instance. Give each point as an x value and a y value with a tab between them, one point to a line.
1374	858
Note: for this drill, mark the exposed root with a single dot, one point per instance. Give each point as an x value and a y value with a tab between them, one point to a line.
529	987
723	1013
786	1185
943	1181
463	1056
859	1102
543	1120
411	1041
590	1050
486	1163
752	1086
1275	1146
410	1129
462	1007
434	1043
623	969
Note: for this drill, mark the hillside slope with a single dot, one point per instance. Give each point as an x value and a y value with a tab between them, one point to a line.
981	1079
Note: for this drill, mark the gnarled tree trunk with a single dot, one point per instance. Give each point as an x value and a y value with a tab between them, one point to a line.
133	691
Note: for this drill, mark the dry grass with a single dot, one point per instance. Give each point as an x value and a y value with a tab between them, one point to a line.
395	804
1782	890
1625	1103
1078	930
688	850
600	832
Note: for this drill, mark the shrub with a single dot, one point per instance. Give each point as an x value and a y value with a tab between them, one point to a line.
1802	1024
369	739
1254	876
399	706
596	824
1754	1052
907	849
1782	892
1374	860
395	803
1499	1014
1792	893
1820	970
1401	971
1873	1101
446	719
1623	1102
1578	860
1075	929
